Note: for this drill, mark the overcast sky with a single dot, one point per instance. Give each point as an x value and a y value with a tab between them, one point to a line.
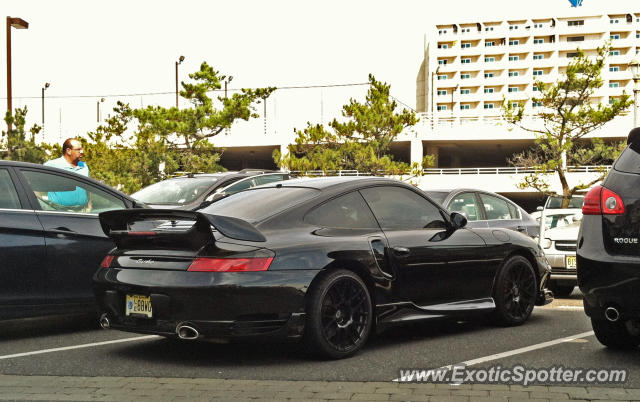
98	49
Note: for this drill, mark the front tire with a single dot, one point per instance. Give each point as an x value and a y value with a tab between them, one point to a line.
514	292
614	335
339	315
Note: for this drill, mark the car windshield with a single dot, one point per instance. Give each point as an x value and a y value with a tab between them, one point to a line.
175	191
555	202
560	220
256	204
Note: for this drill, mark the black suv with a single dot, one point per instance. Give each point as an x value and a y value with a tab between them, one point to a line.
608	256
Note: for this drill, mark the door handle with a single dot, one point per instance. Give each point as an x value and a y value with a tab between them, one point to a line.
63	230
521	229
401	251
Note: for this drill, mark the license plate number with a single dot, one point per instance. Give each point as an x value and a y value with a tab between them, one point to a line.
570	262
138	304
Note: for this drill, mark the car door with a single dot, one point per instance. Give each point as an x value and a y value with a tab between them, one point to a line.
22	251
501	213
68	207
468	204
433	265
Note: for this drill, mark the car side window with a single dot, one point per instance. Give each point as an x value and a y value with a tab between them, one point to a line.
8	194
61	193
495	208
270	178
467	204
348	211
239	186
513	210
400	208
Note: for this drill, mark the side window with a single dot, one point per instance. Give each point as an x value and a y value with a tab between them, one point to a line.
60	193
467	204
239	186
495	208
268	179
513	210
401	208
345	212
8	194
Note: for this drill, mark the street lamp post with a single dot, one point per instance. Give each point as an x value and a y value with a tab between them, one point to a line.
17	23
98	108
634	66
226	81
180	60
46	85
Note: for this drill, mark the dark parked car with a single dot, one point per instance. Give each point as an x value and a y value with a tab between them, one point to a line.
193	191
608	255
327	258
484	209
49	251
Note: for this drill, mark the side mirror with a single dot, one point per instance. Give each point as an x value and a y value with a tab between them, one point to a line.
458	220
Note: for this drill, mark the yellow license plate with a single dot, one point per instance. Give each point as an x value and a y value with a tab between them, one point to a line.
138	304
570	262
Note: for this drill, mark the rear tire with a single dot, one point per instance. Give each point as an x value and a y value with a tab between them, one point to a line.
514	292
614	335
339	315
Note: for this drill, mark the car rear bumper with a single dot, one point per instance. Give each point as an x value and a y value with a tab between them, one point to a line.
217	305
606	280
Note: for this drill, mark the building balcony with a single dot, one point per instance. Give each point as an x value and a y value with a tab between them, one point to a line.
471	97
584	45
517	96
616	75
471	82
630	41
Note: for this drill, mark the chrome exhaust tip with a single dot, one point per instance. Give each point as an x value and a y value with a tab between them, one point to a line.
187	332
612	314
104	321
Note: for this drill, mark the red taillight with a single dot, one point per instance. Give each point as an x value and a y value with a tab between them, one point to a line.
106	261
230	264
602	201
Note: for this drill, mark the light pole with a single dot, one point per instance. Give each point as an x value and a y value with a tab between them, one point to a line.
180	60
634	66
46	85
17	23
98	108
226	81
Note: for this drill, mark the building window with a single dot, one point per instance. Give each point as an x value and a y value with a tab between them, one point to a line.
466	30
614	21
465	91
513	73
638	36
538	41
515	104
442	32
465	107
487	44
538	56
537	104
443	46
536	89
488	105
465	76
537	25
537	72
514	58
489	59
614	36
513	89
612	101
488	75
442	77
613	69
613	53
442	107
514	42
575	39
465	61
441	62
614	85
488	90
572	54
575	23
465	45
487	29
442	91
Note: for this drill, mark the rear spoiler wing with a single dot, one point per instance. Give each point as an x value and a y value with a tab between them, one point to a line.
117	225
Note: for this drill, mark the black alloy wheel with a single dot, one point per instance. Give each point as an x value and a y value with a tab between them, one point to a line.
339	314
514	292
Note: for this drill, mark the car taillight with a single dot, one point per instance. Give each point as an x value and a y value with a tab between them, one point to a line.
229	264
602	201
106	261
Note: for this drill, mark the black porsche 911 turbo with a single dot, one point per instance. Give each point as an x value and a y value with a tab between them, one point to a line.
326	260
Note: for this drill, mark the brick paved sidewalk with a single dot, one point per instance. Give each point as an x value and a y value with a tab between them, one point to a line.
196	389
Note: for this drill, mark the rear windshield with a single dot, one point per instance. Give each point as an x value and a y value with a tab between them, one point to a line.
175	191
257	204
629	159
437	196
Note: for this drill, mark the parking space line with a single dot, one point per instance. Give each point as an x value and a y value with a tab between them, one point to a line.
86	345
515	351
